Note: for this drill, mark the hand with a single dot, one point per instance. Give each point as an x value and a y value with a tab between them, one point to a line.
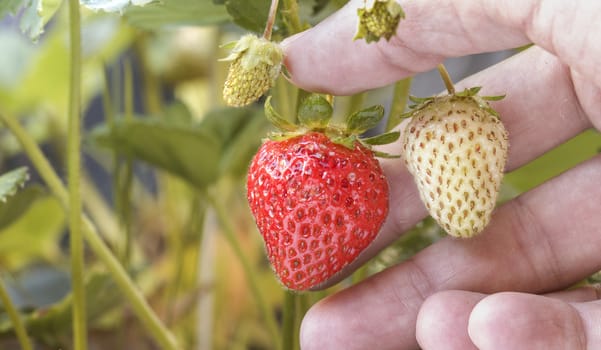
450	295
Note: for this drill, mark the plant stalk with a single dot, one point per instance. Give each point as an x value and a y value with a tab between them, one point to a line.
15	318
288	322
125	171
79	324
291	17
446	78
399	103
140	306
230	236
273	9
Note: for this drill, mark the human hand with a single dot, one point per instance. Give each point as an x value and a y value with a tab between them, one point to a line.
454	294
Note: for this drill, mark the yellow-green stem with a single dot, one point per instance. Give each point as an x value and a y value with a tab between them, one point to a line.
80	341
150	83
288	322
355	103
282	92
138	303
15	318
399	102
291	18
446	78
125	172
250	274
273	9
360	274
107	101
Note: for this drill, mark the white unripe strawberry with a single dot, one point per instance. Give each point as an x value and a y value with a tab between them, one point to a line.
455	146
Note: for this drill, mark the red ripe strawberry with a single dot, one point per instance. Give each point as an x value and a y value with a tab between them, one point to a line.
317	203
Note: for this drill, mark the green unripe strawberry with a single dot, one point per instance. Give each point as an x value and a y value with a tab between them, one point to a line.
381	20
455	146
256	63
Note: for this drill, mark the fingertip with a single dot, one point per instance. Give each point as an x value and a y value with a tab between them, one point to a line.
443	318
525	321
483	320
311	329
327	326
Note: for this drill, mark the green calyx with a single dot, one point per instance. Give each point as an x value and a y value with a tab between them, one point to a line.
467	95
379	20
253	51
315	114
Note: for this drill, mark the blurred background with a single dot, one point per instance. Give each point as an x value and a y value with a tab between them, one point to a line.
164	169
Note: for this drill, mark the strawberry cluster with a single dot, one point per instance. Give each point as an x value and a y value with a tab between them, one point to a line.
315	188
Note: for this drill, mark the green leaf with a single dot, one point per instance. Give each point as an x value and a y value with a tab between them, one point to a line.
419	100
243	145
319	5
112	5
100	289
45	81
14	65
55	320
251	15
493	98
470	92
386	155
382	139
410	243
35	16
11	182
18	204
276	119
365	119
315	112
225	123
556	161
10	7
240	131
346	141
33	236
176	13
183	150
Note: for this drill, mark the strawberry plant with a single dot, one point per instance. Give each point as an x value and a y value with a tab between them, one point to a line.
157	166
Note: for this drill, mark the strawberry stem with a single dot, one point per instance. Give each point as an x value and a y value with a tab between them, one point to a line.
270	19
399	103
288	321
446	78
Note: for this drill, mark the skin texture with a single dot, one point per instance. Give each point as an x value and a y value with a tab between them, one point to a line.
455	294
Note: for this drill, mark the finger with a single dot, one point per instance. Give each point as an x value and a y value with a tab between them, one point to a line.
442	321
533	244
326	59
535	124
590	313
525	321
581	294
